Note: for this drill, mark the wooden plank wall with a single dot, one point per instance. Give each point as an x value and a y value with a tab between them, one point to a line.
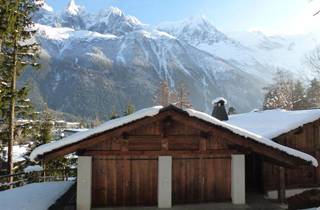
306	139
128	179
202	179
124	181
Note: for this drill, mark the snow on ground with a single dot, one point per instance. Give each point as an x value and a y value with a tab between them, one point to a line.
30	169
36	196
18	153
272	123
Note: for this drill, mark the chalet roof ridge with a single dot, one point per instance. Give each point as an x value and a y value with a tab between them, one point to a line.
152	111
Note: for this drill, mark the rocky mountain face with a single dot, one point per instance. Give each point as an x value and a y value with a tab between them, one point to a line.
95	63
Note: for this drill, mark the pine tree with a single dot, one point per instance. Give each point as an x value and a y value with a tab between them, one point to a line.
18	50
313	94
299	96
43	130
182	96
46	127
56	166
232	110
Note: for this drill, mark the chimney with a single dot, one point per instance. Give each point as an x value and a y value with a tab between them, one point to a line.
219	109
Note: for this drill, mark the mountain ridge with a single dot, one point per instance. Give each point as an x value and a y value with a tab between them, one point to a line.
94	63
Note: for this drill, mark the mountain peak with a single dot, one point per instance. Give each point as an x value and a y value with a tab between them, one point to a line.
200	22
73	8
115	11
112	20
198	19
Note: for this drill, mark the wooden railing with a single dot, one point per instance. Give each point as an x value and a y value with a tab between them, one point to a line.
20	179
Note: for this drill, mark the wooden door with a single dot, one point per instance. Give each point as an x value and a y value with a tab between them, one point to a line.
196	180
186	180
124	182
144	182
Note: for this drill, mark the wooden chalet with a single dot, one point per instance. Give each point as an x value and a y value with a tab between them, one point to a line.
166	156
299	130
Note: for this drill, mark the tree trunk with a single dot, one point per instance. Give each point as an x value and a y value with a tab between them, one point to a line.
12	113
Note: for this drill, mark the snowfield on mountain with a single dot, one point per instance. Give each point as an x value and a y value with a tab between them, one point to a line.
113	59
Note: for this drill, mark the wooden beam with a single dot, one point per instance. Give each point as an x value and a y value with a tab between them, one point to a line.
159	137
95	139
159	153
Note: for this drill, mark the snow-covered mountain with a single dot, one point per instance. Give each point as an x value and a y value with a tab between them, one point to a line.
281	51
253	52
93	63
112	20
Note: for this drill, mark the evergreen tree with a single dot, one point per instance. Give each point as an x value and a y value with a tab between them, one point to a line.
43	134
46	127
232	110
299	96
18	50
313	94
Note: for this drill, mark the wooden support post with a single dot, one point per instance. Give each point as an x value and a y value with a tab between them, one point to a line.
165	182
238	179
44	172
317	169
84	181
282	185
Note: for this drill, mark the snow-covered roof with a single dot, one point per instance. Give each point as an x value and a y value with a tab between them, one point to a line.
273	123
251	135
76	130
148	112
152	111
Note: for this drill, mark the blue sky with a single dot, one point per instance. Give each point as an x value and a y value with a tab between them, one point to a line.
270	16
